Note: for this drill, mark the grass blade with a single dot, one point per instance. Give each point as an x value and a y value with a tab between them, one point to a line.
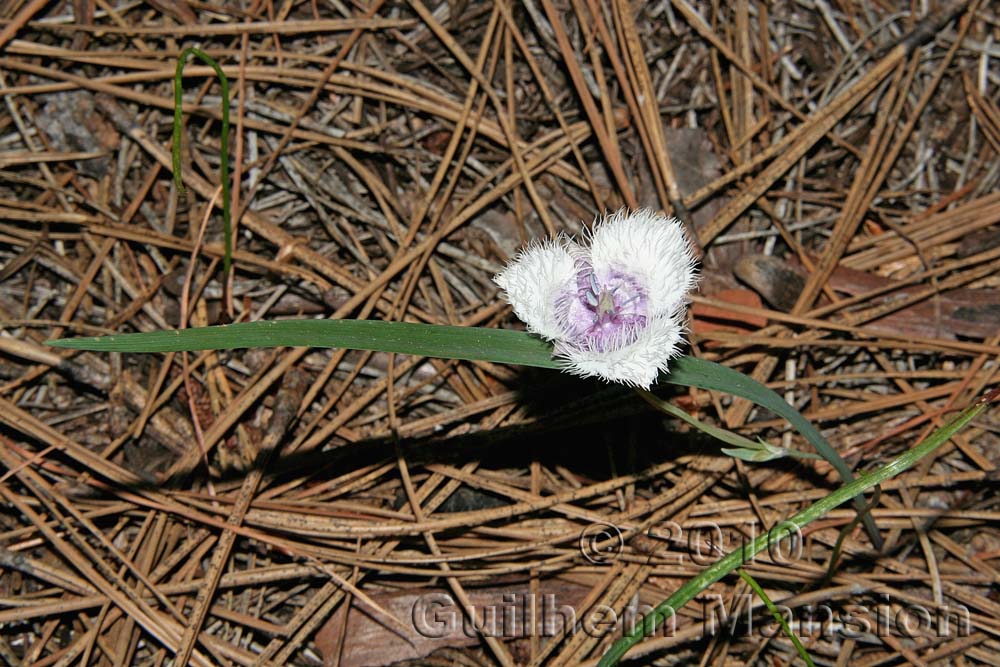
778	617
692	372
227	225
736	558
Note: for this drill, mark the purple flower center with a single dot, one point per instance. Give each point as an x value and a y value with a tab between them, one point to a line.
605	310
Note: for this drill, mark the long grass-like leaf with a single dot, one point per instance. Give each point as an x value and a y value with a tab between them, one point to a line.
451	342
425	340
693	372
735	559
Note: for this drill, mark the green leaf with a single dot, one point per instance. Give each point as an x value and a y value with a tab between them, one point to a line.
736	558
761	451
778	616
752	455
471	343
501	346
693	372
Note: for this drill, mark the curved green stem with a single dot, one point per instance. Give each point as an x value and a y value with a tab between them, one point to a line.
227	226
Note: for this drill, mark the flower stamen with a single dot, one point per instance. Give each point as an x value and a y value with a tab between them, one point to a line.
606	308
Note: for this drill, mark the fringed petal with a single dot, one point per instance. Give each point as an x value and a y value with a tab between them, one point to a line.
533	280
637	364
654	249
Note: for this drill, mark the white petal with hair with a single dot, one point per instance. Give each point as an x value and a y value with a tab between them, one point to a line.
532	280
637	364
655	247
629	323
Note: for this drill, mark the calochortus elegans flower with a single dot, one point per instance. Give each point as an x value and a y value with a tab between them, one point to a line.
613	306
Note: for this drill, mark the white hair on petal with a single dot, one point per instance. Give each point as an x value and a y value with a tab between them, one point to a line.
650	248
636	364
530	281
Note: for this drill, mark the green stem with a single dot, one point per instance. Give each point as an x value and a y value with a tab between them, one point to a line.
720	434
227	226
735	559
771	607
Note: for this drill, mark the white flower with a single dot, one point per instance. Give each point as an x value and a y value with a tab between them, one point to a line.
614	308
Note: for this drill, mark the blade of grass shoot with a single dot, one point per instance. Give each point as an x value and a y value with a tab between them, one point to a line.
771	607
227	226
